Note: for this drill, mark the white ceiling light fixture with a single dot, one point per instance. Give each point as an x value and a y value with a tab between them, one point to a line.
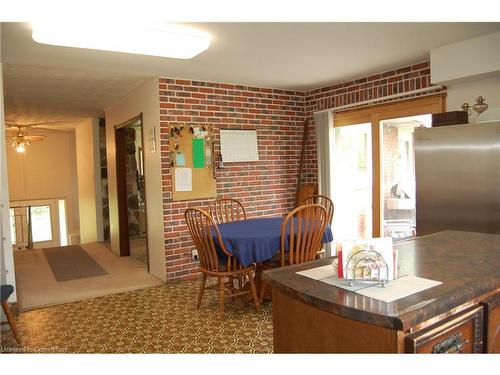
163	40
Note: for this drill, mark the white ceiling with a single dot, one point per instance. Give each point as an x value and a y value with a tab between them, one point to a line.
45	82
37	93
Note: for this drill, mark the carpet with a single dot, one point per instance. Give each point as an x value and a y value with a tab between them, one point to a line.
72	263
161	319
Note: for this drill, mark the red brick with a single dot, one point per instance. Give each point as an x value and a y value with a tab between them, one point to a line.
420	66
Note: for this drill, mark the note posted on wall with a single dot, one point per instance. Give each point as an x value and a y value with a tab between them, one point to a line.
239	145
180	160
198	145
183	179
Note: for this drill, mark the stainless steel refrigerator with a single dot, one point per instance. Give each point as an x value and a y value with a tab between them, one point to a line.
457	171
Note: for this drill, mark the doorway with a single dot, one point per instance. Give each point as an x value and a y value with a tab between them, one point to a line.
372	168
131	190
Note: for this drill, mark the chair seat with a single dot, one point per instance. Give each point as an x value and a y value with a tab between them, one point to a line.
223	266
274	262
6	291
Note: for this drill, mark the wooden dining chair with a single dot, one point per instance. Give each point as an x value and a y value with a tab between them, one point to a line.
203	229
302	230
328	204
226	210
322	200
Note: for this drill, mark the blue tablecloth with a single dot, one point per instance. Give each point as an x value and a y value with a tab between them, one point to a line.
257	240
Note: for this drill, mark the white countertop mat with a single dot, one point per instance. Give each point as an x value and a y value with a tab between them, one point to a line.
396	289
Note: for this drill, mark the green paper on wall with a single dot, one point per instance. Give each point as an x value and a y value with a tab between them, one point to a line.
198	153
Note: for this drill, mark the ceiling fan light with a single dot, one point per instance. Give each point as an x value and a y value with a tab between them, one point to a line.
165	41
20	148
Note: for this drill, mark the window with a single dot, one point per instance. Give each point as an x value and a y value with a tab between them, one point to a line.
41	226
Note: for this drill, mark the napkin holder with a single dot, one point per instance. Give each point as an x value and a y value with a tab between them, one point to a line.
366	267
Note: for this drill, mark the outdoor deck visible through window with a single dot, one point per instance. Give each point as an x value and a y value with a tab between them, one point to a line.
398	169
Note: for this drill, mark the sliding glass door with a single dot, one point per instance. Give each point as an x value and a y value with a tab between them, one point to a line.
372	168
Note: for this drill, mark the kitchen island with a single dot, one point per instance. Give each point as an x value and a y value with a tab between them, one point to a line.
461	315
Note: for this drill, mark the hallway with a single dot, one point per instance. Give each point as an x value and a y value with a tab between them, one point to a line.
37	285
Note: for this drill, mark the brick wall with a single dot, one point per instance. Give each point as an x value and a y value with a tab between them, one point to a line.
266	187
397	81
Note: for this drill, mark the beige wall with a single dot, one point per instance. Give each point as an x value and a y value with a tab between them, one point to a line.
89	180
143	100
46	170
468	91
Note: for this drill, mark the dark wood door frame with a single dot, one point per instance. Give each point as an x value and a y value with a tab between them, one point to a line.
121	186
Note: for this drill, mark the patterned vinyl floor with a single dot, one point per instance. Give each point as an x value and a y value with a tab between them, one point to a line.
154	320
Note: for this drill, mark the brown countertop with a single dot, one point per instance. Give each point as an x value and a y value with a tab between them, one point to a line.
467	264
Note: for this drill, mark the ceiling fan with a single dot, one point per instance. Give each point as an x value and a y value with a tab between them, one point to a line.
20	137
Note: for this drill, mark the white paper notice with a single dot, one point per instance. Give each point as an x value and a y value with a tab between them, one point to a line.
239	145
183	179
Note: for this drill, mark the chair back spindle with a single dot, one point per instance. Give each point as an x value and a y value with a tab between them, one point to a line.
322	200
226	210
303	228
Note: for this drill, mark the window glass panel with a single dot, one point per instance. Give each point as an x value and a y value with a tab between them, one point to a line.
398	169
352	182
62	222
41	226
12	217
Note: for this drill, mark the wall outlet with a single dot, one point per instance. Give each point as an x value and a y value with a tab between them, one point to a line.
194	254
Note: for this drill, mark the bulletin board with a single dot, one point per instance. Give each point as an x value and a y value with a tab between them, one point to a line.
192	161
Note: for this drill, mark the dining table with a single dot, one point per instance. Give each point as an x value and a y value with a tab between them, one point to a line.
257	240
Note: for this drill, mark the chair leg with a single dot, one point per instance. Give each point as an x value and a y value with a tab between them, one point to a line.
10	319
202	289
231	286
221	296
263	287
254	293
240	282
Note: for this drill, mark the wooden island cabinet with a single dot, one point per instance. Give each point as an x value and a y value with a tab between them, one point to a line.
461	315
